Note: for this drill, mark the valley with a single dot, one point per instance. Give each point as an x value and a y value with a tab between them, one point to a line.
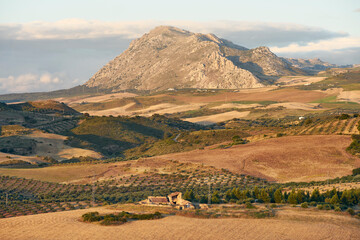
249	138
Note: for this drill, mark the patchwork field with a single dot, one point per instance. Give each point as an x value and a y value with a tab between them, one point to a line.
280	95
287	224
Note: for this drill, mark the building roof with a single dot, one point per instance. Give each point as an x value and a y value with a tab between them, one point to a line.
174	194
158	199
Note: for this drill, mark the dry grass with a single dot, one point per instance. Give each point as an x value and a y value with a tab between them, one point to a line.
91	99
82	173
349	96
53	145
294	158
48	144
236	105
296	105
124	110
211	119
289	224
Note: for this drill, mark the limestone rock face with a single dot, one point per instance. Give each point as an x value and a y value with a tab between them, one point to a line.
168	57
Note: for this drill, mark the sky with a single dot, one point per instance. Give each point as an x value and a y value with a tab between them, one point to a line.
49	44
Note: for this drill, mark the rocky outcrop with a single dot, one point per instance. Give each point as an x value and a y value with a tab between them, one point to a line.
169	57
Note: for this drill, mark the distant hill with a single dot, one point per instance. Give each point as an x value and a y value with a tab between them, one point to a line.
44	106
312	65
168	57
71	92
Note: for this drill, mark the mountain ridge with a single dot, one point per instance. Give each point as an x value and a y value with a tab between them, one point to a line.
169	57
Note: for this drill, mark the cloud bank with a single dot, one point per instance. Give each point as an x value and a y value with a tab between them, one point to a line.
31	82
33	54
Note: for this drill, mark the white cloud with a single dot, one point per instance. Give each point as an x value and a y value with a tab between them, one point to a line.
29	82
323	45
83	29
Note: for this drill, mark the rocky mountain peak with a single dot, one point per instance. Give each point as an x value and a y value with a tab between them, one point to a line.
169	57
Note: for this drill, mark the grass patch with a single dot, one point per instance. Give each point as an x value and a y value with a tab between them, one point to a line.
326	99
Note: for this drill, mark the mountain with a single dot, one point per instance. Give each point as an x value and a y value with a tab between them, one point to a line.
312	65
168	57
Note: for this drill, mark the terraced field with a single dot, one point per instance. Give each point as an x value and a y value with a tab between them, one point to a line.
59	127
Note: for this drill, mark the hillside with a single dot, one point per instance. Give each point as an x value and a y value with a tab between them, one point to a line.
312	65
168	57
44	106
293	158
113	135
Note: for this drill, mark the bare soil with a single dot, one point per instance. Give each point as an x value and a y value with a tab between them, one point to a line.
288	224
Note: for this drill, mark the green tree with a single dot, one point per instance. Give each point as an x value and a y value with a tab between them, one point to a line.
256	192
215	198
300	196
292	199
264	196
335	199
278	197
315	196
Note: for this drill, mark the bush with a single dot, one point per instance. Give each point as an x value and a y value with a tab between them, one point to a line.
320	207
337	209
249	205
327	207
351	211
304	205
356	171
91	217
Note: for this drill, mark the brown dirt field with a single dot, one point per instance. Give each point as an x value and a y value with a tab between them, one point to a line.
211	119
155	109
282	95
289	224
235	105
82	173
349	96
112	111
102	98
293	158
296	105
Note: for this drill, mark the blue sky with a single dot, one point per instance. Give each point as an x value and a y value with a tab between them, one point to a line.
48	44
